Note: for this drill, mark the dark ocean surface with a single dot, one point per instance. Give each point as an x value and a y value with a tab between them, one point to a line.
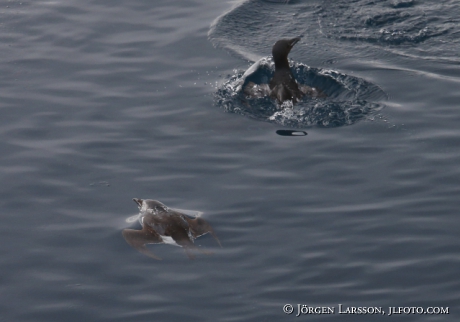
104	101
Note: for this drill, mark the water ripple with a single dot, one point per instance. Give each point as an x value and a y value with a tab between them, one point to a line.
349	99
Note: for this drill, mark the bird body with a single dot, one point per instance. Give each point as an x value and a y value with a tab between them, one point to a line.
162	225
283	85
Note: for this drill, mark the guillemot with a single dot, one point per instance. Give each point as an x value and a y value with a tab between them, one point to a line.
162	225
283	85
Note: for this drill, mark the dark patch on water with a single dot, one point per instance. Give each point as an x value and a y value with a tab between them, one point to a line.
402	3
349	99
291	133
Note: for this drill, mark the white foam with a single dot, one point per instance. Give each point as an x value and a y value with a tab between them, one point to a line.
194	213
132	218
169	240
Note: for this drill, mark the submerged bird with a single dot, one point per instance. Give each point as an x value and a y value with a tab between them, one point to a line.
282	86
162	225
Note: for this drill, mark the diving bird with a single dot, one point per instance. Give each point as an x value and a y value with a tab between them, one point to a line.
283	86
162	225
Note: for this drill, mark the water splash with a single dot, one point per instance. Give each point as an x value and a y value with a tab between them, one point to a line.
349	99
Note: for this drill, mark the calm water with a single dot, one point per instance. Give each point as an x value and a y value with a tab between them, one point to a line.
102	102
